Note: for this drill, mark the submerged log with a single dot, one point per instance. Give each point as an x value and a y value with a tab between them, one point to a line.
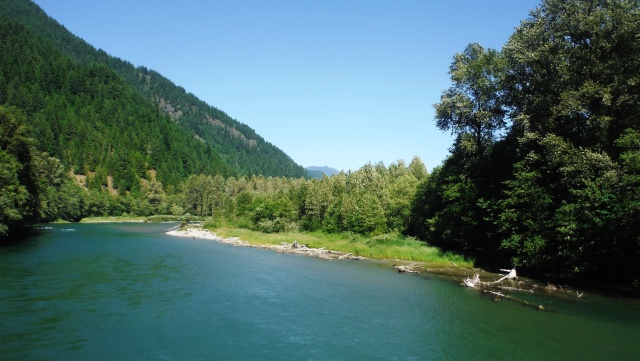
515	289
522	302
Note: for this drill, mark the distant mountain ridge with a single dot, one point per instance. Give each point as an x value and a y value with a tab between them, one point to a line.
236	144
318	172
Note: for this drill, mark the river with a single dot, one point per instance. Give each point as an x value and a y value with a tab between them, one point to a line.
129	292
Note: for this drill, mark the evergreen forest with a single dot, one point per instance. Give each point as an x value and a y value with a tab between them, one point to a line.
543	175
240	150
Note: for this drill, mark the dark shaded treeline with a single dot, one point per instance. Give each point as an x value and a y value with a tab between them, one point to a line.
544	171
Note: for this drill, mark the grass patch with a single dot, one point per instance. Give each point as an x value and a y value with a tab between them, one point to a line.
388	246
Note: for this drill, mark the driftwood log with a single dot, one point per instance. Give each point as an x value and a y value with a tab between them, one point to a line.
510	275
522	302
496	288
508	283
408	268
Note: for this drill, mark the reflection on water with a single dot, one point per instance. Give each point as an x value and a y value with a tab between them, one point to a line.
127	291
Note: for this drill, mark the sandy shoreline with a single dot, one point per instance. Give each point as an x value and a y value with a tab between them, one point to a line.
295	247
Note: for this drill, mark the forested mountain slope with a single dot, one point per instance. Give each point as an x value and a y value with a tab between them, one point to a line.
93	120
242	150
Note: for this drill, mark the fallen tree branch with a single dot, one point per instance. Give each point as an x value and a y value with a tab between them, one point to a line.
515	289
522	302
511	275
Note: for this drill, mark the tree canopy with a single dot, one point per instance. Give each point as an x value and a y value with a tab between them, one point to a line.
19	191
557	191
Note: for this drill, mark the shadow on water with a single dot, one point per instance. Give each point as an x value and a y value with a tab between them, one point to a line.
22	237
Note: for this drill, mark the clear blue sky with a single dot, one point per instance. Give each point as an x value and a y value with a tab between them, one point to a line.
330	82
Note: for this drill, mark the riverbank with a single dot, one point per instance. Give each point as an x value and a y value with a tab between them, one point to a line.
424	259
418	258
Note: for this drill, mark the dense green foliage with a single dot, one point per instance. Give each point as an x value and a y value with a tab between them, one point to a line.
373	200
544	170
18	190
232	146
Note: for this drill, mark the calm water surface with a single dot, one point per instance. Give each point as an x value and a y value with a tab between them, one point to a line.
129	292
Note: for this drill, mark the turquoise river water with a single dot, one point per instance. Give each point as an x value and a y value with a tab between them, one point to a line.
130	292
